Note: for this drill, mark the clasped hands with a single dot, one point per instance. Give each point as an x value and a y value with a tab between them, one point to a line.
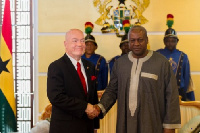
92	111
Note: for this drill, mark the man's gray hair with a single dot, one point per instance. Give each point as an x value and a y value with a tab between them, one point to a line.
137	28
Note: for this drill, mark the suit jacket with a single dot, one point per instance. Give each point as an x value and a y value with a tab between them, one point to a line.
66	94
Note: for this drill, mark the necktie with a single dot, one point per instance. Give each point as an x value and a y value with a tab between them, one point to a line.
80	74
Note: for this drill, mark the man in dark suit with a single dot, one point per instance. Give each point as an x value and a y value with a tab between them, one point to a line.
72	97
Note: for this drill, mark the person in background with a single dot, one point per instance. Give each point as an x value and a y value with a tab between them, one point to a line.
145	88
123	44
71	89
101	67
179	62
124	48
41	127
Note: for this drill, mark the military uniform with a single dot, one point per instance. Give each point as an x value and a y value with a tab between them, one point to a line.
112	61
181	67
101	67
101	70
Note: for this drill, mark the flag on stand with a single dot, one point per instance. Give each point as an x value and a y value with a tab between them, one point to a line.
8	121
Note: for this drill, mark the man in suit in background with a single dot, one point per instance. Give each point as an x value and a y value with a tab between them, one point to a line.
71	89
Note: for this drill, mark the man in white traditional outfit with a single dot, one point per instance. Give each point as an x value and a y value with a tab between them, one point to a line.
146	89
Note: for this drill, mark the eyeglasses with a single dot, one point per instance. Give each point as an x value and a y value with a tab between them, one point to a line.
74	40
139	40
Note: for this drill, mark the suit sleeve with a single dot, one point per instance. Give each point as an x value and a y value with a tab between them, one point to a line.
57	95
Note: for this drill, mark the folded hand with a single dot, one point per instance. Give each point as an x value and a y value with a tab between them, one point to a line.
92	111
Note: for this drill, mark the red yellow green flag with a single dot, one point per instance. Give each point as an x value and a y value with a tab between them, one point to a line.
7	101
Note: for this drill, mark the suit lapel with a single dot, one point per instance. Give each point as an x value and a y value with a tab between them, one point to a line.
73	73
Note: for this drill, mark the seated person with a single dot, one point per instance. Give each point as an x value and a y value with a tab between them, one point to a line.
44	124
41	127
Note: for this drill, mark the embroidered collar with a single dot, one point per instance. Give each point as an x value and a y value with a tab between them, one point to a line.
132	59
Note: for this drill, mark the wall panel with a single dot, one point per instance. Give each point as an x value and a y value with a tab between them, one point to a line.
196	79
42	92
57	16
50	48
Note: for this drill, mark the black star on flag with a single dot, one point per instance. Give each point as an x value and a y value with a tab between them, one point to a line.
3	65
121	2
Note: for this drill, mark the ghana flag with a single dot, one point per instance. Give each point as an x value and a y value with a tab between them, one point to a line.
7	101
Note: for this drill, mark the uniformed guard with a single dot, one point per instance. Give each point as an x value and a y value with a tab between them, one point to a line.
124	46
179	62
101	67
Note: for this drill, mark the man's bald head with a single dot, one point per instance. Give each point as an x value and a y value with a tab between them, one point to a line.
72	32
75	43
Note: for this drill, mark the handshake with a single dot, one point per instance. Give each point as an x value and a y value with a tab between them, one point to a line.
92	111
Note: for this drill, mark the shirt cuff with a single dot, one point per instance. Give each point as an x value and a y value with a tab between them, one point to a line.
102	108
171	126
